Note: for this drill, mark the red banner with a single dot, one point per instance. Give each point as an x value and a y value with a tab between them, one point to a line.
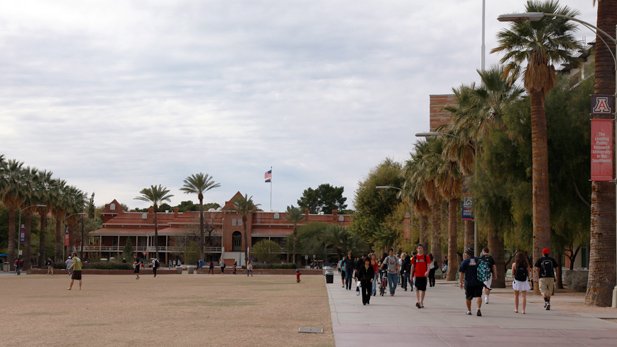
66	240
601	149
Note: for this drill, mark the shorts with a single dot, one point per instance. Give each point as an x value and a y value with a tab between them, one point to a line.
76	275
473	292
342	275
489	282
136	270
547	286
420	283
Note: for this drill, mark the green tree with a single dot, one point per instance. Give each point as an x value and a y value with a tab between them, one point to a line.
155	195
15	191
244	206
127	252
324	199
295	217
540	44
199	184
267	251
310	240
192	253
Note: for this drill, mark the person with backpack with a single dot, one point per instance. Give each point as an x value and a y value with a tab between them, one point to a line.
473	285
392	265
486	257
420	270
155	266
432	268
520	284
545	268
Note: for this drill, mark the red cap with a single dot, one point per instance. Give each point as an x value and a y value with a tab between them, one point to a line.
545	251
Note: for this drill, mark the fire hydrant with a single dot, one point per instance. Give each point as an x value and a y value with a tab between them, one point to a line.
298	275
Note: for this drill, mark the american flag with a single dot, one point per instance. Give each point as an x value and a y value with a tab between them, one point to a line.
268	176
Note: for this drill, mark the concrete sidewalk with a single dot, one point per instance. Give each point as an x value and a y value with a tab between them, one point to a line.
395	321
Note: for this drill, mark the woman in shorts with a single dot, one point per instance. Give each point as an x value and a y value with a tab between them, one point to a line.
520	284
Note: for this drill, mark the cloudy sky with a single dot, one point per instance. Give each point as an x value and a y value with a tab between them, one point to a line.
115	96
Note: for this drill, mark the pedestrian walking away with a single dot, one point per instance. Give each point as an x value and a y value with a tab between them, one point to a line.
222	263
545	269
488	284
473	286
17	266
136	266
341	269
75	271
349	269
69	262
366	275
392	266
211	268
520	284
155	266
433	266
420	270
249	268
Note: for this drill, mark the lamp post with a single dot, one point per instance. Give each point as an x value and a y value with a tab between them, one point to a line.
65	227
536	16
20	226
475	170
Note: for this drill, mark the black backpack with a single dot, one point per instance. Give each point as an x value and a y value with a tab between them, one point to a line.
521	272
547	268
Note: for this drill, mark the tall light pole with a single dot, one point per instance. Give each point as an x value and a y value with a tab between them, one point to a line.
65	227
536	16
20	226
475	170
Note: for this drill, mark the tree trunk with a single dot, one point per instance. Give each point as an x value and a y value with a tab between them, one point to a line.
72	226
601	280
59	238
468	234
436	232
246	245
42	239
11	247
27	243
540	185
156	231
496	249
201	225
423	229
452	240
558	258
293	257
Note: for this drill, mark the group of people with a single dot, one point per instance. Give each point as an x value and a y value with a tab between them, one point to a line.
418	270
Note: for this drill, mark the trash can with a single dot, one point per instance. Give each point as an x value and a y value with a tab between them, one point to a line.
191	269
179	270
326	269
330	276
6	267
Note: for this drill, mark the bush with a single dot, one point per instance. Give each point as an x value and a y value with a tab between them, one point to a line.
274	266
108	266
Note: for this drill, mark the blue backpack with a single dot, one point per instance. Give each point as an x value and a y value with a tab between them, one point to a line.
483	272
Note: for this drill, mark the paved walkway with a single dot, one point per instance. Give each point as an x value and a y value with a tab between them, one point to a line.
395	321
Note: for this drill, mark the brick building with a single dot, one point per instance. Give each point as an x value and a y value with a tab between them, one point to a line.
175	228
438	116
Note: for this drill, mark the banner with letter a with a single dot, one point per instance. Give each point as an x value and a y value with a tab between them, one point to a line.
601	149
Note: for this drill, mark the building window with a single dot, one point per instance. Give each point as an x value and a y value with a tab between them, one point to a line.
239	221
276	216
236	239
233	222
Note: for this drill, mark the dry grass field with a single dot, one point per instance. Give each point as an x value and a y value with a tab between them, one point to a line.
169	310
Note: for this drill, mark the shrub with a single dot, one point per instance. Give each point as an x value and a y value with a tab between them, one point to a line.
108	266
274	266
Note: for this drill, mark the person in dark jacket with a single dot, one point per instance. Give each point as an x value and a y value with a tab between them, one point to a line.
407	273
366	275
349	270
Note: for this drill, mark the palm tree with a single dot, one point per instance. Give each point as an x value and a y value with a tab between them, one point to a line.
30	178
76	204
199	184
59	206
155	195
43	191
295	217
244	206
336	237
541	44
14	194
602	242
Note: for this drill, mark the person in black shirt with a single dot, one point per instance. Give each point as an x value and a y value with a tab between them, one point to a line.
486	257
545	269
473	286
349	270
366	276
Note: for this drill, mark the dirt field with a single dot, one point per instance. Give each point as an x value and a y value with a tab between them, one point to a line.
169	310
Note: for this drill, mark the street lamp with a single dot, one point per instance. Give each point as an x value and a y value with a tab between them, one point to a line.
20	226
475	170
536	16
65	226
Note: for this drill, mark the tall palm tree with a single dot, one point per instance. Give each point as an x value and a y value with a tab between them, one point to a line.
30	178
155	195
540	44
244	206
602	243
199	184
295	217
59	205
336	237
77	201
43	191
15	192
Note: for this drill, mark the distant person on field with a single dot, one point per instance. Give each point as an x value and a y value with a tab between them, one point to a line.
520	284
69	262
235	267
249	268
473	286
136	266
155	266
222	263
50	266
17	265
75	269
211	268
487	258
545	268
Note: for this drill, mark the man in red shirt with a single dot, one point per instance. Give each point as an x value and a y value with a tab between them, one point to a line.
419	269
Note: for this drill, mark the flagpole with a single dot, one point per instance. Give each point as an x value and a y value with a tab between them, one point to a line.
270	189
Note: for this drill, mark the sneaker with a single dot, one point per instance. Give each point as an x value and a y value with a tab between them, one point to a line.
548	306
418	305
468	313
486	301
545	303
479	313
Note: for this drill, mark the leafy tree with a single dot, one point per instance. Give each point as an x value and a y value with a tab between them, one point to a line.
155	195
191	253
267	251
244	206
164	207
295	217
188	206
310	240
324	199
127	252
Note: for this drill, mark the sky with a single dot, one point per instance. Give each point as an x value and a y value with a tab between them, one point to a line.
116	96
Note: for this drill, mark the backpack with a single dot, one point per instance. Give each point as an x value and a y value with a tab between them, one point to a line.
483	272
521	273
547	268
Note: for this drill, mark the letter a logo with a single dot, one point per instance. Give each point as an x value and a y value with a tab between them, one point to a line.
602	106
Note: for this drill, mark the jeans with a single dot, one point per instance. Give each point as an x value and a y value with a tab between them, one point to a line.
406	280
392	282
348	277
375	283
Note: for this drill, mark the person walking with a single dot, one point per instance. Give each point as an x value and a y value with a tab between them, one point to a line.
50	266
75	271
432	268
375	265
222	264
235	266
348	263
407	273
17	266
420	271
211	267
392	267
136	266
366	275
155	266
488	259
473	286
545	269
341	269
249	268
520	284
69	262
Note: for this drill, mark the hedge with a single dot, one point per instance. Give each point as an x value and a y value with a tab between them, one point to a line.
273	266
99	265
